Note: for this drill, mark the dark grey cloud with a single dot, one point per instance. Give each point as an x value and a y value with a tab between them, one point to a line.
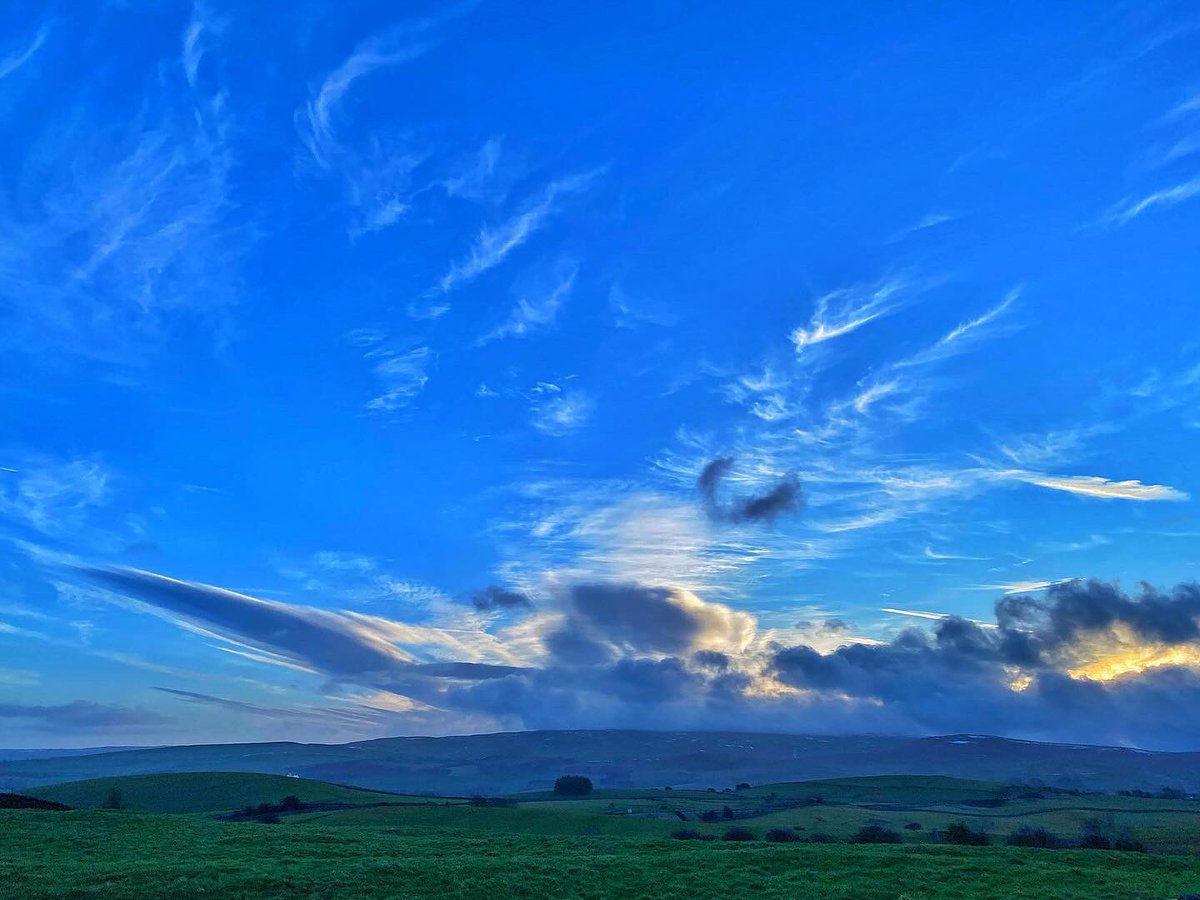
328	642
605	621
712	659
83	714
493	597
340	645
784	497
1073	608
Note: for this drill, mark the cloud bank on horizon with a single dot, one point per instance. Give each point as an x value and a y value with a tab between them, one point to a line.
381	373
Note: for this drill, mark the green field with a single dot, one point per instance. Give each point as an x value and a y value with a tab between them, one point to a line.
173	838
203	792
127	854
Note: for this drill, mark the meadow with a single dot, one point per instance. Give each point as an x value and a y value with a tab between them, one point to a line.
176	838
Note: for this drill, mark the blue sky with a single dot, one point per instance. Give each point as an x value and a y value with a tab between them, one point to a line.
407	368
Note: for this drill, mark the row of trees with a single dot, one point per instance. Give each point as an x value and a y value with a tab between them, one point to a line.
958	833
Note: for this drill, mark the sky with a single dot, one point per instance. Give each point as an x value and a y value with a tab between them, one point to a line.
407	368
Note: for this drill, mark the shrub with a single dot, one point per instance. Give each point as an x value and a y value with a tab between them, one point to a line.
782	836
739	834
710	815
113	801
875	834
686	834
478	800
682	817
269	819
1095	842
291	803
727	812
961	833
1129	844
1034	837
573	786
820	837
913	826
743	786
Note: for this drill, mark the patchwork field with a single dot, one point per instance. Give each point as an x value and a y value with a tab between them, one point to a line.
184	835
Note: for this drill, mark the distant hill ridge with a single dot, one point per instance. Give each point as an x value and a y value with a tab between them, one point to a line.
516	761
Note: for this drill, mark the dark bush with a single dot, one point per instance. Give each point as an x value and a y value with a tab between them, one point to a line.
686	834
1095	842
478	800
875	834
1034	837
782	836
739	834
269	819
743	786
291	803
113	801
961	833
682	817
1129	845
573	786
710	815
913	826
820	837
727	813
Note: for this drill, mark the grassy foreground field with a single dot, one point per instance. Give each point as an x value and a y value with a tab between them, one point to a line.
129	854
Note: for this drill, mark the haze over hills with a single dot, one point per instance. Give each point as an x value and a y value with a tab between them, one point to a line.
519	761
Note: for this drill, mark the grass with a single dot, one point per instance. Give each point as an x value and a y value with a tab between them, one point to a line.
127	854
206	792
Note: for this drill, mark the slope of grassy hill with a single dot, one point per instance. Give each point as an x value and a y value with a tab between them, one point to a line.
204	792
523	761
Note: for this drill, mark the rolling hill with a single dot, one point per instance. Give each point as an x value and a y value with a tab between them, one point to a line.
523	761
204	792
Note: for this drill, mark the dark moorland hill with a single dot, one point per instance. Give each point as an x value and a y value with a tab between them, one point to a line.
520	761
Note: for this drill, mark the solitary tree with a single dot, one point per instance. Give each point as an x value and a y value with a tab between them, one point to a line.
573	786
114	800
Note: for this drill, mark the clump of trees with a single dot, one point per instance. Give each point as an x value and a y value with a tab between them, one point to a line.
573	786
739	834
1034	837
268	813
875	834
961	833
687	834
782	836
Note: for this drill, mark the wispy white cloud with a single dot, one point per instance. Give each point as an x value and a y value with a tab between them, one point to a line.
478	179
840	312
930	553
55	497
1127	210
376	175
927	221
934	616
537	308
113	231
562	413
494	243
963	335
376	171
15	59
1095	486
1022	587
400	369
